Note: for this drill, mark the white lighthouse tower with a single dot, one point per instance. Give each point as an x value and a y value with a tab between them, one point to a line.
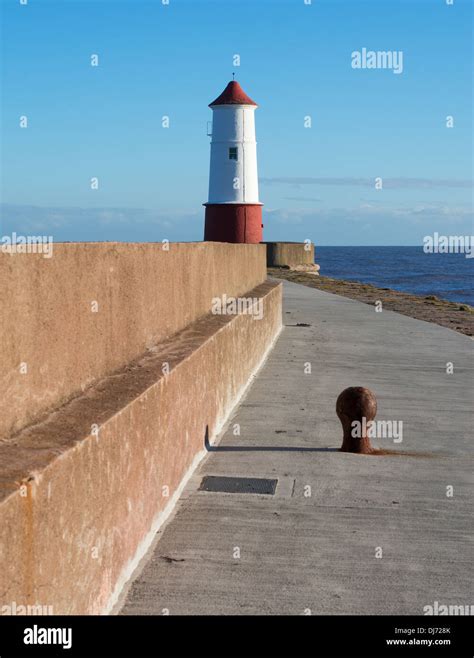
233	210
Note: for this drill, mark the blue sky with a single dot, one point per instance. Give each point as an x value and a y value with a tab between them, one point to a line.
295	61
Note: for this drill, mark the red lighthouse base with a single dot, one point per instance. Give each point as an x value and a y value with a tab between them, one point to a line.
233	222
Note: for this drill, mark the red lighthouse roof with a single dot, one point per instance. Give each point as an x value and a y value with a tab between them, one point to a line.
233	94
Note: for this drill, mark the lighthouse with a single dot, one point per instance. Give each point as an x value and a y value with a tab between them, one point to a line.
233	209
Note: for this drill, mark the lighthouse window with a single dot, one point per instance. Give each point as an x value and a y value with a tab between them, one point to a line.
233	153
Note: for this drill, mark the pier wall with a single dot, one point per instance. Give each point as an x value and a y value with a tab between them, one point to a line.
289	254
91	308
128	377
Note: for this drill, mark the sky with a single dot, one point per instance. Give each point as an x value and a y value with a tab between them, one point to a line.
317	176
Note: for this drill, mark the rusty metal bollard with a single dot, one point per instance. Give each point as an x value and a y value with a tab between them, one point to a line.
355	404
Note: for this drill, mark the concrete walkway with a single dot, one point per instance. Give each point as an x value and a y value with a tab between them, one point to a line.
318	551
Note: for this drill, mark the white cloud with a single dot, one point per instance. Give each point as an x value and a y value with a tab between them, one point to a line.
400	182
366	223
102	224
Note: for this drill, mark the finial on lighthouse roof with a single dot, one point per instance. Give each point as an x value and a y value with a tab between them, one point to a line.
233	94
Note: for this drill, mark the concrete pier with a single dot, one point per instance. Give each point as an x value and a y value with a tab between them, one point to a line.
344	533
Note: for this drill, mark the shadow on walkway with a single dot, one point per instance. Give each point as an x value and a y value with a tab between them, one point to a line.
210	448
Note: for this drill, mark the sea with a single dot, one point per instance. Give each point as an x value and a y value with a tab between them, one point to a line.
408	269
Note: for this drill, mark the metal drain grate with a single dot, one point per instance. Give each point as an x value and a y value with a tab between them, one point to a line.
223	484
